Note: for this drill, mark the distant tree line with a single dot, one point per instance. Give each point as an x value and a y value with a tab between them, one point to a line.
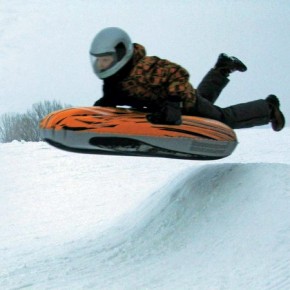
16	126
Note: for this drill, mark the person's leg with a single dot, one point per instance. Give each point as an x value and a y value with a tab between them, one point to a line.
217	78
212	85
245	115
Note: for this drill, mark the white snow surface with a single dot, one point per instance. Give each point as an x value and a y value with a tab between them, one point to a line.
80	221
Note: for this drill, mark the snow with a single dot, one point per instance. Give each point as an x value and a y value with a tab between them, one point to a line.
78	221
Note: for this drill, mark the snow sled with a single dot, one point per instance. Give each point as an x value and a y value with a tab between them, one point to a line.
120	131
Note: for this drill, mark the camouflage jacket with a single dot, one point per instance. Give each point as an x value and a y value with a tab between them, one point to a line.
148	81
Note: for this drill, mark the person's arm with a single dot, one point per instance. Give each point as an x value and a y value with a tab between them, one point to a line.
108	99
177	89
103	102
169	113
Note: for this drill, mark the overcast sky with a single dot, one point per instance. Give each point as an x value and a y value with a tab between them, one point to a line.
44	45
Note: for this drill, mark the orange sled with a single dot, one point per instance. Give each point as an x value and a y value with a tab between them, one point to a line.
119	131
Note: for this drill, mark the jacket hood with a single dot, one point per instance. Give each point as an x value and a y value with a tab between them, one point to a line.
139	52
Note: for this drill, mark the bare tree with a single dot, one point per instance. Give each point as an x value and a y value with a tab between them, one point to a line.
26	126
7	127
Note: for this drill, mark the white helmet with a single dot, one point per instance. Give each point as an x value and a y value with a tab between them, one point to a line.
115	42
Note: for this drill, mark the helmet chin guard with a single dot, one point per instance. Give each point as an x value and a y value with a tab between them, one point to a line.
111	41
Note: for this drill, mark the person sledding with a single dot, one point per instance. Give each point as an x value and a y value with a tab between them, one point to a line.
162	87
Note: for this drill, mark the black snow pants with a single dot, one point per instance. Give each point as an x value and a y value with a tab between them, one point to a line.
244	115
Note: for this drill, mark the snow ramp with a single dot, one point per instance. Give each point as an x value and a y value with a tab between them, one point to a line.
219	226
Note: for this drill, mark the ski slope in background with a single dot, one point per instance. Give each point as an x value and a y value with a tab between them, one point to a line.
72	221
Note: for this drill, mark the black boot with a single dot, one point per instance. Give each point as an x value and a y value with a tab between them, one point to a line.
277	117
229	64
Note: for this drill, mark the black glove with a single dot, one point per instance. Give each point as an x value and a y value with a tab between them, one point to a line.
169	114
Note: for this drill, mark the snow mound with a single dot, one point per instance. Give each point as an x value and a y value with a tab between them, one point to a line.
221	226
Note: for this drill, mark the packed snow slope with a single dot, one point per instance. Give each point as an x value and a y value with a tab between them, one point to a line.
72	221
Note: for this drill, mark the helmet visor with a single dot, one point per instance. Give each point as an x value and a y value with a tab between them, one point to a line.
103	62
